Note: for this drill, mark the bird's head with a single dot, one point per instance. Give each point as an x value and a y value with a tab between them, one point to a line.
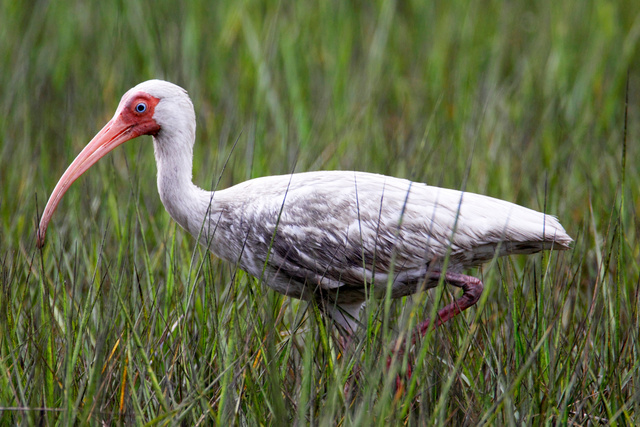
153	107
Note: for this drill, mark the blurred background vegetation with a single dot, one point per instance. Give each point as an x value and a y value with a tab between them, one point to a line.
520	100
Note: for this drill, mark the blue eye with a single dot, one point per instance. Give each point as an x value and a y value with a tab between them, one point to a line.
141	107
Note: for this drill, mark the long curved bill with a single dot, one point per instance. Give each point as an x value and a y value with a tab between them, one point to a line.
114	133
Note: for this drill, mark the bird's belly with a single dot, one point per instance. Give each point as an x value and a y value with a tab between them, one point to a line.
287	286
275	279
402	289
345	293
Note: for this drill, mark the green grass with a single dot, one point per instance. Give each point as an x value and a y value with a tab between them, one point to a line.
123	319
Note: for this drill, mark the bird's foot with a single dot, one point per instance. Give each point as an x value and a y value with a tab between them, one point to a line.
402	378
353	382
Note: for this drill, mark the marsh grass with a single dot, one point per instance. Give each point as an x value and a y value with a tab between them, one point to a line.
123	319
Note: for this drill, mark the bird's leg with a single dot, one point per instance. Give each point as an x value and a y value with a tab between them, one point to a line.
346	315
345	318
472	289
398	352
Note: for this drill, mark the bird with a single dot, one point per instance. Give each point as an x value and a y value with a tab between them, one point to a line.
335	238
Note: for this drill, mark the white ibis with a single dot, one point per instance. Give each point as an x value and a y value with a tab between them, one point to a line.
330	236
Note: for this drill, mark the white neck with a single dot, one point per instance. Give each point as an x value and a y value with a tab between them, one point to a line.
187	204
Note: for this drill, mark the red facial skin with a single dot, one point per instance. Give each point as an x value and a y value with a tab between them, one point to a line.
128	124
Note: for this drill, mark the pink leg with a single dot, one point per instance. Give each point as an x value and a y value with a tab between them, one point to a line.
472	289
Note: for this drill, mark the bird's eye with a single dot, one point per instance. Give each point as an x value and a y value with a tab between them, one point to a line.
141	107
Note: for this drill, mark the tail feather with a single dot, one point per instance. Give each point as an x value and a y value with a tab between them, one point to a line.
535	234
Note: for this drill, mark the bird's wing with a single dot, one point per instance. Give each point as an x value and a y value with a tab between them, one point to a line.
338	229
